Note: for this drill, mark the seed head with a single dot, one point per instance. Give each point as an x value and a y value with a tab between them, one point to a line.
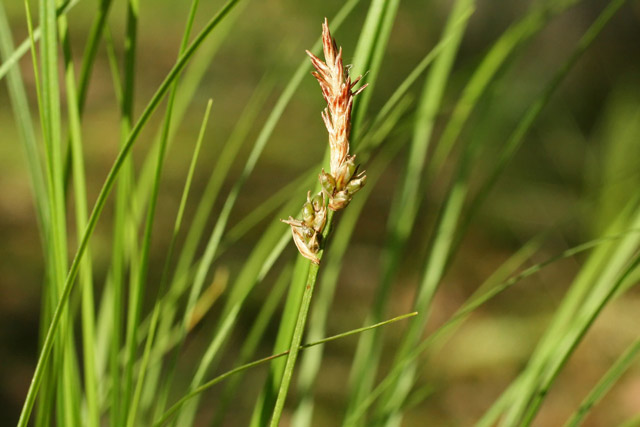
306	233
337	89
343	180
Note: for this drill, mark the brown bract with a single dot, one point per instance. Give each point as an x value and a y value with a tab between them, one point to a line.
337	89
344	180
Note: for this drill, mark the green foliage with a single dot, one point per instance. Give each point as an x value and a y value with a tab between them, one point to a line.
179	290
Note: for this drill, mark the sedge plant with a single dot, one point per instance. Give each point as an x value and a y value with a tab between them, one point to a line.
116	348
338	187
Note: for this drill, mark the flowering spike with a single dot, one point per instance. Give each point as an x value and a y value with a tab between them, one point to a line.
338	90
343	179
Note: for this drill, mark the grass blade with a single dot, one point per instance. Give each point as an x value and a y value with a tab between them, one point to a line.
310	364
405	208
136	295
471	306
99	205
299	329
131	418
370	50
614	373
229	314
502	50
167	415
86	269
12	58
256	333
20	106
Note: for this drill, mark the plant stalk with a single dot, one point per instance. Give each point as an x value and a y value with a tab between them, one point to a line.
300	323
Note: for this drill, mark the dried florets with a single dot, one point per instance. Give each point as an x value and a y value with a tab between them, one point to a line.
344	179
306	233
338	91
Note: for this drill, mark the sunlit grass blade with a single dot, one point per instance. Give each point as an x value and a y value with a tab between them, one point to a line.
370	50
631	422
99	205
51	123
609	379
596	265
120	387
13	57
613	280
137	289
254	336
80	202
405	206
337	253
49	292
188	89
24	121
471	305
88	61
167	415
131	418
502	50
90	51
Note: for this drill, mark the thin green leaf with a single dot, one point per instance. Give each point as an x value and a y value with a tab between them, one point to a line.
405	208
471	306
99	205
131	418
167	415
13	58
608	380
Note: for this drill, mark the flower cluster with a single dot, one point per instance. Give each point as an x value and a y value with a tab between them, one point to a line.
344	180
306	233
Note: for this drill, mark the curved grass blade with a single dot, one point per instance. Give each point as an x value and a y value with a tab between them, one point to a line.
404	208
167	415
614	373
99	205
471	306
12	58
188	88
51	124
80	193
502	50
631	422
310	364
229	314
131	418
370	50
518	408
137	290
180	280
254	336
20	106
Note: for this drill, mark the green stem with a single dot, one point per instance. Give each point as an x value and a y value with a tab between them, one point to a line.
167	415
99	205
298	331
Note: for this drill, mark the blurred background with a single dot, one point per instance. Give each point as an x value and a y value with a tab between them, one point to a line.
576	168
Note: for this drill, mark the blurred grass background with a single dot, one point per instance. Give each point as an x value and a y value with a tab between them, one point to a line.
577	166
